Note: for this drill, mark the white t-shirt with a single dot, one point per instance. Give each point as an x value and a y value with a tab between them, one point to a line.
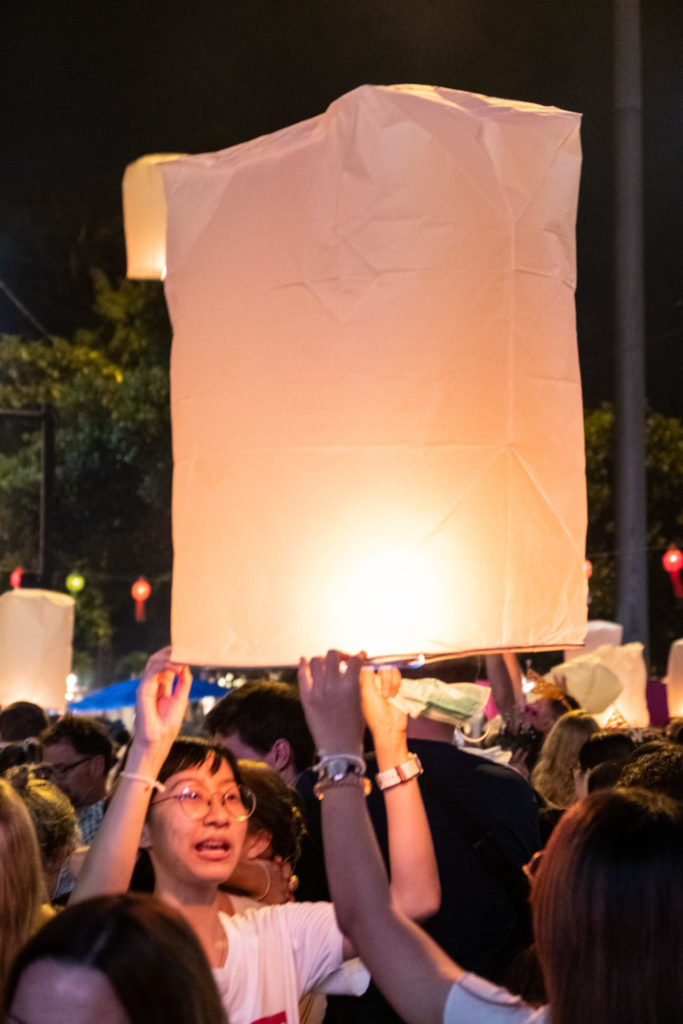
472	1000
275	955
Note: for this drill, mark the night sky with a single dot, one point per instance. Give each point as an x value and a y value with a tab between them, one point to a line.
87	87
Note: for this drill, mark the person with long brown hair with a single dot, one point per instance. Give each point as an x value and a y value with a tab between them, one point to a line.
606	898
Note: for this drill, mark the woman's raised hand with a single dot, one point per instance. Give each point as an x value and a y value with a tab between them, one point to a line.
330	693
385	720
160	708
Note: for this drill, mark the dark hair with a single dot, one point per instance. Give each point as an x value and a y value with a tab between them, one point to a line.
85	735
191	751
262	712
606	909
29	751
605	746
21	720
659	770
147	951
277	809
604	776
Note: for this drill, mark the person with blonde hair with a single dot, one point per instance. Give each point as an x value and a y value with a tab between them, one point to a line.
53	817
23	894
553	776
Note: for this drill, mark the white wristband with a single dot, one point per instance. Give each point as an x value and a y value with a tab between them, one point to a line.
151	783
410	769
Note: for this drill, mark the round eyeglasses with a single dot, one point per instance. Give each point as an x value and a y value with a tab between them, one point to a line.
238	802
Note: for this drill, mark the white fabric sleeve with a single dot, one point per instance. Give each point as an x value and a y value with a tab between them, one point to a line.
472	1000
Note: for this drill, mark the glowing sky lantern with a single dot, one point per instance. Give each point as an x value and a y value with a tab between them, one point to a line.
36	631
144	217
376	403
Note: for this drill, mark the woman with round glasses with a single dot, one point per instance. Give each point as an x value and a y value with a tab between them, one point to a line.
184	802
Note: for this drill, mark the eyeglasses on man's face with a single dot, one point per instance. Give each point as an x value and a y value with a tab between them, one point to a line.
64	769
238	802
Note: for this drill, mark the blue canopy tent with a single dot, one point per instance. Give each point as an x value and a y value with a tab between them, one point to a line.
122	695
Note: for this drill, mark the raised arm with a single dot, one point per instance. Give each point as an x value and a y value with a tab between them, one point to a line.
415	886
160	709
414	974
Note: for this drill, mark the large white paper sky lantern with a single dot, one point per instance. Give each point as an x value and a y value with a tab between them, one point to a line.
36	633
376	403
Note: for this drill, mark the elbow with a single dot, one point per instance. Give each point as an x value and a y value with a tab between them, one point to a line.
420	903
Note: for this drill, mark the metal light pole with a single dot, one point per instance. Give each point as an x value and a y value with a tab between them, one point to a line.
631	519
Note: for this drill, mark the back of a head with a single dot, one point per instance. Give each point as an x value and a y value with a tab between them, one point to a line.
606	905
277	809
21	720
86	735
659	770
29	751
605	745
145	949
52	813
263	711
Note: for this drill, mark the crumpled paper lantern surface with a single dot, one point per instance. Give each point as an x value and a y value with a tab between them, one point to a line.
376	404
598	632
36	633
628	664
589	681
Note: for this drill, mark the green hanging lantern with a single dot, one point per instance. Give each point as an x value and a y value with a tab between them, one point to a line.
74	583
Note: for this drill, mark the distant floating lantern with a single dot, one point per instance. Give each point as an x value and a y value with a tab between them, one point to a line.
140	591
144	217
15	577
74	583
673	563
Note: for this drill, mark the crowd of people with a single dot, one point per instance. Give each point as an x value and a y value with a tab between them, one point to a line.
290	865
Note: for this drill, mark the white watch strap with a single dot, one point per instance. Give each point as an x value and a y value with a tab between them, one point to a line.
401	773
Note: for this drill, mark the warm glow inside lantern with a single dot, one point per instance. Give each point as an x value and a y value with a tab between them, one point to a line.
36	630
376	403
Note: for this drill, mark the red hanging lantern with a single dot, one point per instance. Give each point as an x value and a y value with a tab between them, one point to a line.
15	577
140	591
673	563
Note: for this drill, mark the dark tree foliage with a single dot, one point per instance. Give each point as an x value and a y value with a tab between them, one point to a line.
108	389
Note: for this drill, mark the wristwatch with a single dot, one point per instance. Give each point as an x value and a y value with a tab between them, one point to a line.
401	773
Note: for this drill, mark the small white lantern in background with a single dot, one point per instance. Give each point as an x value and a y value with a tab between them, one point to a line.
36	634
377	418
144	217
674	679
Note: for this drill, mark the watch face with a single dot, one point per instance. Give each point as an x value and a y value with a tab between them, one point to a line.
339	768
